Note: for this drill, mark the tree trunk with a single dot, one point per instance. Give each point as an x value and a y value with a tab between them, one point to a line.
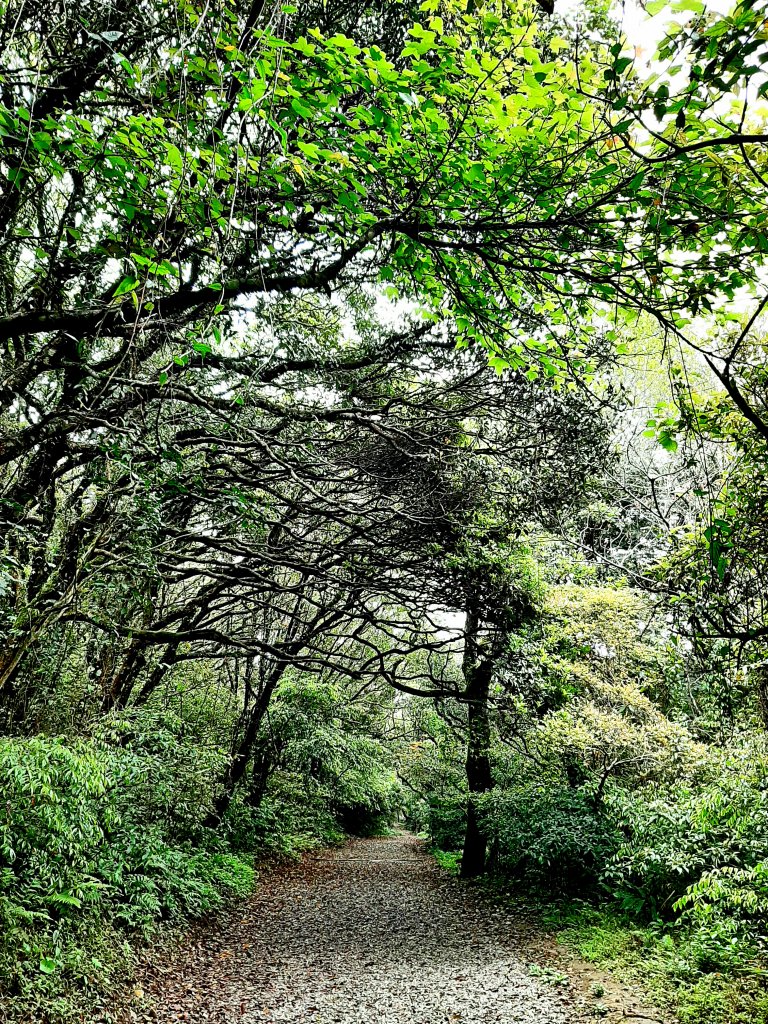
263	766
478	671
479	779
117	680
239	763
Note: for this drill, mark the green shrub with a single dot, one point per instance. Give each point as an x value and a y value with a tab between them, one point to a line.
676	836
287	821
449	860
728	907
83	857
552	836
446	822
162	768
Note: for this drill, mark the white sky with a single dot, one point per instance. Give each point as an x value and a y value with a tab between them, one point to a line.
644	32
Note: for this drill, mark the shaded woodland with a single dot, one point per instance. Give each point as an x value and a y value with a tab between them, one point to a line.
383	440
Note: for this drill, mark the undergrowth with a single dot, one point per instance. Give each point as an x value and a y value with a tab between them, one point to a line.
103	849
670	964
449	860
91	866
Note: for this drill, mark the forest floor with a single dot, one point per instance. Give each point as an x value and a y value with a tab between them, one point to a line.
373	933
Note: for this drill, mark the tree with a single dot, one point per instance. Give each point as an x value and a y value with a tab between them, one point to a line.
142	233
461	583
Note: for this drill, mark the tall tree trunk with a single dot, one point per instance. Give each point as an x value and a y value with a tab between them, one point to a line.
263	765
478	671
479	779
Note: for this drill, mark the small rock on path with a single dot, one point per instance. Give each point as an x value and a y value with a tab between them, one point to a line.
372	933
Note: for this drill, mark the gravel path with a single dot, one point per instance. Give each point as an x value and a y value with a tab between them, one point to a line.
374	933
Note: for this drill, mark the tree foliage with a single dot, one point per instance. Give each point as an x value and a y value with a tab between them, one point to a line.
383	431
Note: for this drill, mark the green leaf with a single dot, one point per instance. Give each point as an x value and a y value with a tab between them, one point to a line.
128	284
175	158
47	965
695	6
64	899
636	182
301	108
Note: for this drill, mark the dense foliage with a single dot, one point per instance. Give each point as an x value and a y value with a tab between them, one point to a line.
383	439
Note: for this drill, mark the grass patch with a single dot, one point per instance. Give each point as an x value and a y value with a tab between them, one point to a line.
668	964
449	860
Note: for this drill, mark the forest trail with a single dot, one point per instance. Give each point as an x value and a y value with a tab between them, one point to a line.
372	933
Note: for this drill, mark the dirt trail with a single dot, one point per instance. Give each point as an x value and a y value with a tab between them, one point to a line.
374	933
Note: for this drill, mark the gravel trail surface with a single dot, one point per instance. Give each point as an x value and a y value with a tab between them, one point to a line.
373	933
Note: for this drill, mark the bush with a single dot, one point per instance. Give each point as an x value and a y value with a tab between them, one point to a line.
674	837
364	820
446	823
81	857
553	837
729	909
285	823
162	770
